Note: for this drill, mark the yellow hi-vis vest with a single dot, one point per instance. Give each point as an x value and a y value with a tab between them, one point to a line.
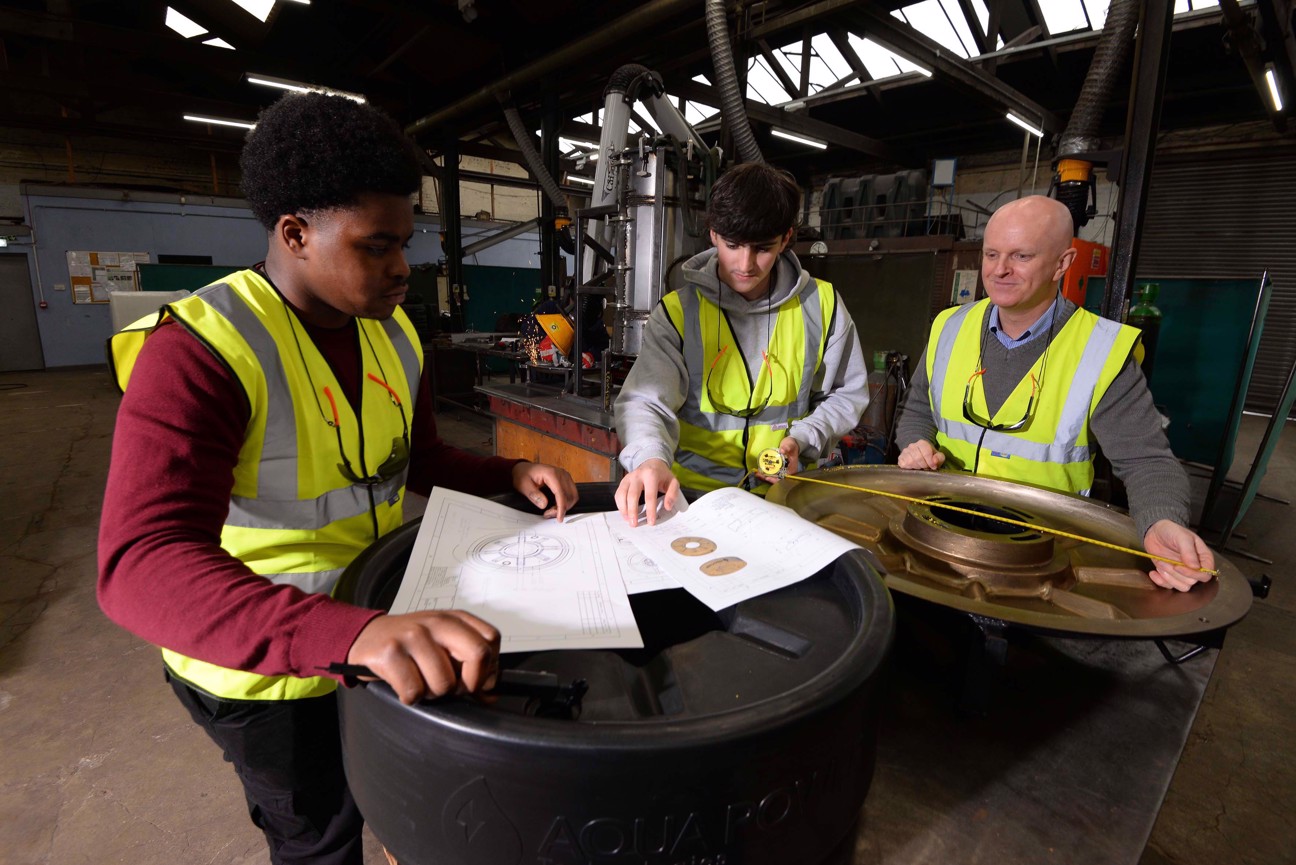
1053	449
716	449
293	516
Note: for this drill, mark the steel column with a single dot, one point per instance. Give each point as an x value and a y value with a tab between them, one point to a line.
1151	57
451	223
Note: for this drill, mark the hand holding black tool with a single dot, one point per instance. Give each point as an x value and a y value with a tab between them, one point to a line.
556	700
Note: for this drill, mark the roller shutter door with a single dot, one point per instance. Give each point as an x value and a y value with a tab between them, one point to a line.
1230	215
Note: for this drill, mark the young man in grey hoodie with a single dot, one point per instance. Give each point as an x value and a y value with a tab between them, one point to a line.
752	353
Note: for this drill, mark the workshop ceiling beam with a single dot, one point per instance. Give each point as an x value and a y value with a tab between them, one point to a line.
791	122
1250	46
916	47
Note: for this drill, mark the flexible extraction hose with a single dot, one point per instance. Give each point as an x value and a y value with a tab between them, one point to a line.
731	97
1081	135
1074	181
533	160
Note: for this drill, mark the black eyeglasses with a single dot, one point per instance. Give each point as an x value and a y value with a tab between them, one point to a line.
748	410
970	416
396	461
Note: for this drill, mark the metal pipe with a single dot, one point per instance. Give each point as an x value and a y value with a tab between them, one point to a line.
630	26
501	236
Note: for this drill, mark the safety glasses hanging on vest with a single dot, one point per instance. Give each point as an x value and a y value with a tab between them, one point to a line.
400	449
399	457
749	410
970	416
717	401
985	424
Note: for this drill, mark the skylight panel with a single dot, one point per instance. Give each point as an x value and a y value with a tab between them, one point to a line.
636	126
929	19
828	65
258	9
1097	10
982	14
762	85
217	42
1064	16
182	25
956	17
881	62
696	113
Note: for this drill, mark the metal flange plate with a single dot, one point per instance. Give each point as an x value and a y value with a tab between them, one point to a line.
1003	571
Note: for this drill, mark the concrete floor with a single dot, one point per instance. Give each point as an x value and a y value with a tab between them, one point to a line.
101	765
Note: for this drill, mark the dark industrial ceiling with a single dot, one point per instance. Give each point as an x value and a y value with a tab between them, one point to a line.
442	67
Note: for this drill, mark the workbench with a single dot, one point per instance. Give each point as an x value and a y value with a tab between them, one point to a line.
544	424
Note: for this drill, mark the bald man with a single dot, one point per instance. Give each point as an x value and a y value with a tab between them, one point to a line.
1022	385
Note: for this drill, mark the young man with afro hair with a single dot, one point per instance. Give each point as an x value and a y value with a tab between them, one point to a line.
270	426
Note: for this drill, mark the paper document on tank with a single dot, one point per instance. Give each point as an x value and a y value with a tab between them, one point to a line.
731	545
543	584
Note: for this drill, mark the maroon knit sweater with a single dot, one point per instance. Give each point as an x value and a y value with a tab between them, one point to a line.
162	572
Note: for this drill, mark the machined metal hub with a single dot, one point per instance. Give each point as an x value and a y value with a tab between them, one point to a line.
930	547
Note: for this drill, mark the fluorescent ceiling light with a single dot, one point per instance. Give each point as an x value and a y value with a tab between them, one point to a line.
1038	133
577	178
219	121
779	133
1272	80
182	25
575	143
218	42
298	87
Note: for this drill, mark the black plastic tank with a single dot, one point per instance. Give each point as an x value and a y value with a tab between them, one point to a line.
733	738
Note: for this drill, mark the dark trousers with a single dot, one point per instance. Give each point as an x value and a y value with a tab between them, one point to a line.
288	754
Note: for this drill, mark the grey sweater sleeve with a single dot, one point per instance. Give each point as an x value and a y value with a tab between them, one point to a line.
1129	430
647	408
839	393
915	422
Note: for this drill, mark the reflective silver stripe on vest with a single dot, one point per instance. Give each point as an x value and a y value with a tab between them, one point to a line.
277	470
1075	412
309	514
1007	443
944	351
408	354
691	412
727	475
318	582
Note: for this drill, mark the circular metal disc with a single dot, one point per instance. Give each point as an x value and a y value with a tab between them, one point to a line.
936	551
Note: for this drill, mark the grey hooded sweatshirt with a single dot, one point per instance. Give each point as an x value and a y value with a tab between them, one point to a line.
647	409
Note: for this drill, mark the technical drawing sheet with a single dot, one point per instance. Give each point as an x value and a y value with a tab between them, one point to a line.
731	545
543	584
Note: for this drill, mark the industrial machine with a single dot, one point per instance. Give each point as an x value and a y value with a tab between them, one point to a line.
645	218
